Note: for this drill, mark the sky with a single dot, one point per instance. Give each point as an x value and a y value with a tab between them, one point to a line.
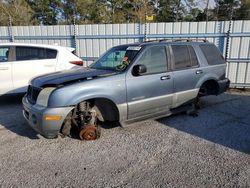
203	4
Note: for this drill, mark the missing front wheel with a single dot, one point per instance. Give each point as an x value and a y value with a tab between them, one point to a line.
82	122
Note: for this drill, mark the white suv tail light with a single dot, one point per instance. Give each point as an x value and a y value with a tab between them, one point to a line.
80	63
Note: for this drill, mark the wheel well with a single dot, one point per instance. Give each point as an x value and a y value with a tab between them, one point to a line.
107	108
210	87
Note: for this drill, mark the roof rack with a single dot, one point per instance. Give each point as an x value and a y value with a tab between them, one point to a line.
190	40
178	40
156	40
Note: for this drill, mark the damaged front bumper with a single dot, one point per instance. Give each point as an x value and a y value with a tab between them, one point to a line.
36	115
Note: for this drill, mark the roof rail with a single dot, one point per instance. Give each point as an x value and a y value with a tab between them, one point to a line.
156	40
178	40
190	40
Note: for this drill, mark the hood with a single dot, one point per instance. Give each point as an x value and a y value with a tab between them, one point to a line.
69	76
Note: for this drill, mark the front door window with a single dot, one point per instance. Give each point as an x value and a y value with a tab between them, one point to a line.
4	54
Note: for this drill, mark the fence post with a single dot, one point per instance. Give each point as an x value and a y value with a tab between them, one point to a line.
139	29
221	39
145	31
74	36
10	29
228	34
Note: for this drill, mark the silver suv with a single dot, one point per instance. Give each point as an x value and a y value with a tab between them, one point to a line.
129	83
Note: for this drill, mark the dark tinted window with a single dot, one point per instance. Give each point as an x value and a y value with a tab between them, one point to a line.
33	53
154	59
51	54
212	54
4	54
184	56
181	56
193	56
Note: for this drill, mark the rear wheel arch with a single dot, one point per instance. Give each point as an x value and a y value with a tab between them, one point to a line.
209	87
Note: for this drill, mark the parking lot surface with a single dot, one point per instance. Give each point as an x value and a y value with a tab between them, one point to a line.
210	150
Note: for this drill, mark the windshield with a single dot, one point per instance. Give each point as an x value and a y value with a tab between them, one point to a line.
117	58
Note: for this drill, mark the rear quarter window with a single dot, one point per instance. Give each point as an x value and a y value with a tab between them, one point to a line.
212	54
51	54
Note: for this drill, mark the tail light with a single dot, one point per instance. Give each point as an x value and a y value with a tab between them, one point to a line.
80	63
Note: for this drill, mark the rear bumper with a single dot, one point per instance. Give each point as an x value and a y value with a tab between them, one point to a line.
34	115
223	85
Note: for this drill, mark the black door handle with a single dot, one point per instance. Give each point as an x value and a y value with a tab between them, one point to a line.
167	77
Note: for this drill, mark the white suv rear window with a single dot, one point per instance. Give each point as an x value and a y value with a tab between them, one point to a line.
34	53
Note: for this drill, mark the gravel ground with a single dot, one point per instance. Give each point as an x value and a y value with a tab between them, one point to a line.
211	150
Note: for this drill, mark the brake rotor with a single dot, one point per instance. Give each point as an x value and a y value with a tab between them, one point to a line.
89	133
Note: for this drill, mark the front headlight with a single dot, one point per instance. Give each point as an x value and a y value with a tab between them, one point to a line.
43	96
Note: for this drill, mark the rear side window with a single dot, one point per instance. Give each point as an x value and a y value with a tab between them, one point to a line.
33	53
51	54
212	54
4	54
184	57
154	59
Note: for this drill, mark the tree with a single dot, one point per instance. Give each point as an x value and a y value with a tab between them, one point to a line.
45	11
225	7
17	12
116	10
195	14
69	11
85	11
138	9
243	13
170	10
92	11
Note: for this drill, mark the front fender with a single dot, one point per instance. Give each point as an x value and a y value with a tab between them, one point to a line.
109	88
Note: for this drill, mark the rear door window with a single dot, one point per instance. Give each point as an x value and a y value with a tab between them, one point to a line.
4	54
34	53
184	57
212	54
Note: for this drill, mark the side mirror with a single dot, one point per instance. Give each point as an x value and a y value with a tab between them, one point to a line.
139	69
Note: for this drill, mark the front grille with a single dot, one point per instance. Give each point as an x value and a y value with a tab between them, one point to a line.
32	94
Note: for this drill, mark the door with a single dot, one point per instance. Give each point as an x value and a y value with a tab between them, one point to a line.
31	62
186	74
150	93
6	85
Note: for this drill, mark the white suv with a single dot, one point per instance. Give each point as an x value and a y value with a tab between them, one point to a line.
19	62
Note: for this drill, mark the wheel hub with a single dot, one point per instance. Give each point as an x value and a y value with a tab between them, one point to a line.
89	133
